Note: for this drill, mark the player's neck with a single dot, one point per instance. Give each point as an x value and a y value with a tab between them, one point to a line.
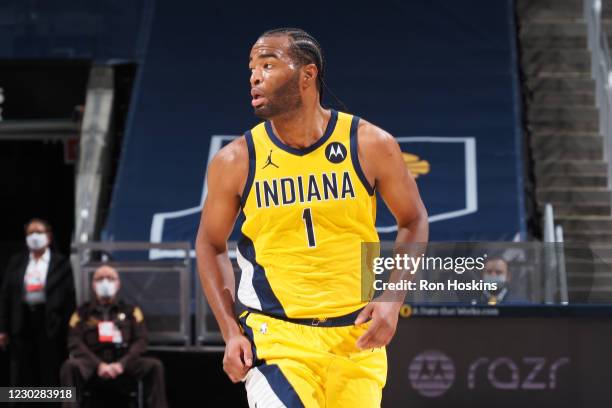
302	127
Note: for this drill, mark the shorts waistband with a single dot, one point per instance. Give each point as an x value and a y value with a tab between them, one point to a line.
345	320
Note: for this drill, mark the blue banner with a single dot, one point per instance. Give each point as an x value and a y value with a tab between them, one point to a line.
440	76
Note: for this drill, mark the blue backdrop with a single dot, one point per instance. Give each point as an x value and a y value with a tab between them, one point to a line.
441	76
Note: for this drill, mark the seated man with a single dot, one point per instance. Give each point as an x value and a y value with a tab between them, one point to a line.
106	341
496	271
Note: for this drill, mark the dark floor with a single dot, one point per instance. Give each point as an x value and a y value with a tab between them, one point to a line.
197	379
192	379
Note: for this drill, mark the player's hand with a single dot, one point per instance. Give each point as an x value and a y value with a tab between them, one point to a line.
3	340
384	317
238	357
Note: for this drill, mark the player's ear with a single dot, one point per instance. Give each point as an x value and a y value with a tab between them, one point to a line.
309	75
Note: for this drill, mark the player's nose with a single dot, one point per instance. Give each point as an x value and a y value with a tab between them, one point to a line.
255	78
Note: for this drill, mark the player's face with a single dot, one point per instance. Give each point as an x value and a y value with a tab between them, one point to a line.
274	78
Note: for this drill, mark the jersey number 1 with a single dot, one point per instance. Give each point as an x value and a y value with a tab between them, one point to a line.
307	217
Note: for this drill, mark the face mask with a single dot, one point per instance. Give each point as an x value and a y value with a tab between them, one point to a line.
105	288
500	280
37	240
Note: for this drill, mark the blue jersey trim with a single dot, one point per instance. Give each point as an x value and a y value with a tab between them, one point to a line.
355	156
281	386
251	176
331	125
268	300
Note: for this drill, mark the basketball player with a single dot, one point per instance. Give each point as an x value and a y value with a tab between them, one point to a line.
305	181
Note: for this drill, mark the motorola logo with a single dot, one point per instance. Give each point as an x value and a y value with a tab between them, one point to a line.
431	373
335	152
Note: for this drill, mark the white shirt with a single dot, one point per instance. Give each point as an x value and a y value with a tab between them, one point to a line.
38	268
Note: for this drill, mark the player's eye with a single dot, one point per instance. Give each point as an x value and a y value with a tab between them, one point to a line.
267	66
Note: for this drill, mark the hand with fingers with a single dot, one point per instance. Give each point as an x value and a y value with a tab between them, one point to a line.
238	358
105	371
384	316
116	368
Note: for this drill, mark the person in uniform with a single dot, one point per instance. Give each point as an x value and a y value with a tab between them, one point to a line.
106	341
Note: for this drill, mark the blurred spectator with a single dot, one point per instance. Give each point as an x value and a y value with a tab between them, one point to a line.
36	300
106	341
496	271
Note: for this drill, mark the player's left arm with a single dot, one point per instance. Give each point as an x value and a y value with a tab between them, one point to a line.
381	160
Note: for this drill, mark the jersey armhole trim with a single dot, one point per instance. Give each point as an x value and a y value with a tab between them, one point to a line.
249	181
355	156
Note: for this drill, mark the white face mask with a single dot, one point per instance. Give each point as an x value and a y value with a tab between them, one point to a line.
499	279
105	288
37	240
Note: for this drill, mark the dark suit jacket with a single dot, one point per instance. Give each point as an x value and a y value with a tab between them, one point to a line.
59	292
509	299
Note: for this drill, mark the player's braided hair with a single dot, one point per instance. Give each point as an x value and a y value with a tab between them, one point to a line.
305	49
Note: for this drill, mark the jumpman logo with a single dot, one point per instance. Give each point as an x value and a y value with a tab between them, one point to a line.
269	161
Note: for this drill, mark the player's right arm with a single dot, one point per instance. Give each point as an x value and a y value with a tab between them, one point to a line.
226	176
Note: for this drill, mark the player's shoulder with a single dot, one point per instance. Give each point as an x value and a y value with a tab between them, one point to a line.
233	154
373	137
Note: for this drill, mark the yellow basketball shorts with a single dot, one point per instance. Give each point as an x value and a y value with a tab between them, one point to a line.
301	365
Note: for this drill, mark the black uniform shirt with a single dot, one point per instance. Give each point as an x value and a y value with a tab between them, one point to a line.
84	342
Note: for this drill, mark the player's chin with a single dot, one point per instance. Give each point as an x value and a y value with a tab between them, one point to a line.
261	112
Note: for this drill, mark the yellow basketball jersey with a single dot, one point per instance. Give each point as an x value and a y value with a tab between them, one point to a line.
306	213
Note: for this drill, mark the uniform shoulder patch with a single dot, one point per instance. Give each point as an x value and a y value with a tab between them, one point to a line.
137	313
74	319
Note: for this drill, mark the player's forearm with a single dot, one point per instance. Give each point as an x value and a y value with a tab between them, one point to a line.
218	288
411	240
